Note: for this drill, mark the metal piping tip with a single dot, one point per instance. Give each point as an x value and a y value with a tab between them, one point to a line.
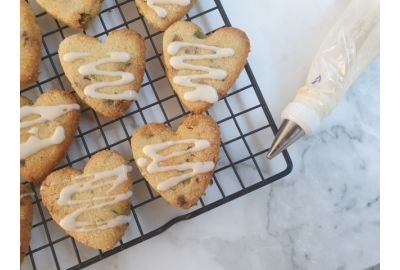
288	133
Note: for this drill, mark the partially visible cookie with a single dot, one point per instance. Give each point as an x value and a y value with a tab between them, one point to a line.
47	129
106	76
162	13
26	216
179	165
201	68
30	45
93	206
74	13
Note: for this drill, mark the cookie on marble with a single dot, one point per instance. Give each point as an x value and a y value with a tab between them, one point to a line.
26	216
47	129
74	13
92	206
201	68
106	76
30	45
178	164
162	13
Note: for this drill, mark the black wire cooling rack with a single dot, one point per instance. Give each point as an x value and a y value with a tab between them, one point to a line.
247	128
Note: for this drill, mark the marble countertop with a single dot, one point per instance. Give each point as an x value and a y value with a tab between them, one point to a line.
325	214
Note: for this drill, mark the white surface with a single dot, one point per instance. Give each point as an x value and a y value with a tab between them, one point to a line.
325	215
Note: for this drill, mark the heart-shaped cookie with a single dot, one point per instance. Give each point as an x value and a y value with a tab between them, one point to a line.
179	165
93	206
162	13
26	216
30	45
106	76
74	13
47	129
203	68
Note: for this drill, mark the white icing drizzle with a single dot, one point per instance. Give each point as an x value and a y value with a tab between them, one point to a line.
162	12
122	175
33	130
194	167
70	222
142	162
72	56
201	92
35	144
91	69
27	194
112	178
46	113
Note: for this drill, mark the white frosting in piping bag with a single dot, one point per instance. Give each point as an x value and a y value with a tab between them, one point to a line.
195	168
34	144
201	92
112	178
161	12
91	69
351	44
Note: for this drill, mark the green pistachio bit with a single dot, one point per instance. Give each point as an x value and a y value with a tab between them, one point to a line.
200	34
120	210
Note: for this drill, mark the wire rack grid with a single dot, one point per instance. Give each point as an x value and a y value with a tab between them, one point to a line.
246	127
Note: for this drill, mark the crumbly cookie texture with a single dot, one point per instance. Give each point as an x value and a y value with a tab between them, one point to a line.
30	45
37	166
74	13
103	239
118	41
187	193
174	12
26	215
227	37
